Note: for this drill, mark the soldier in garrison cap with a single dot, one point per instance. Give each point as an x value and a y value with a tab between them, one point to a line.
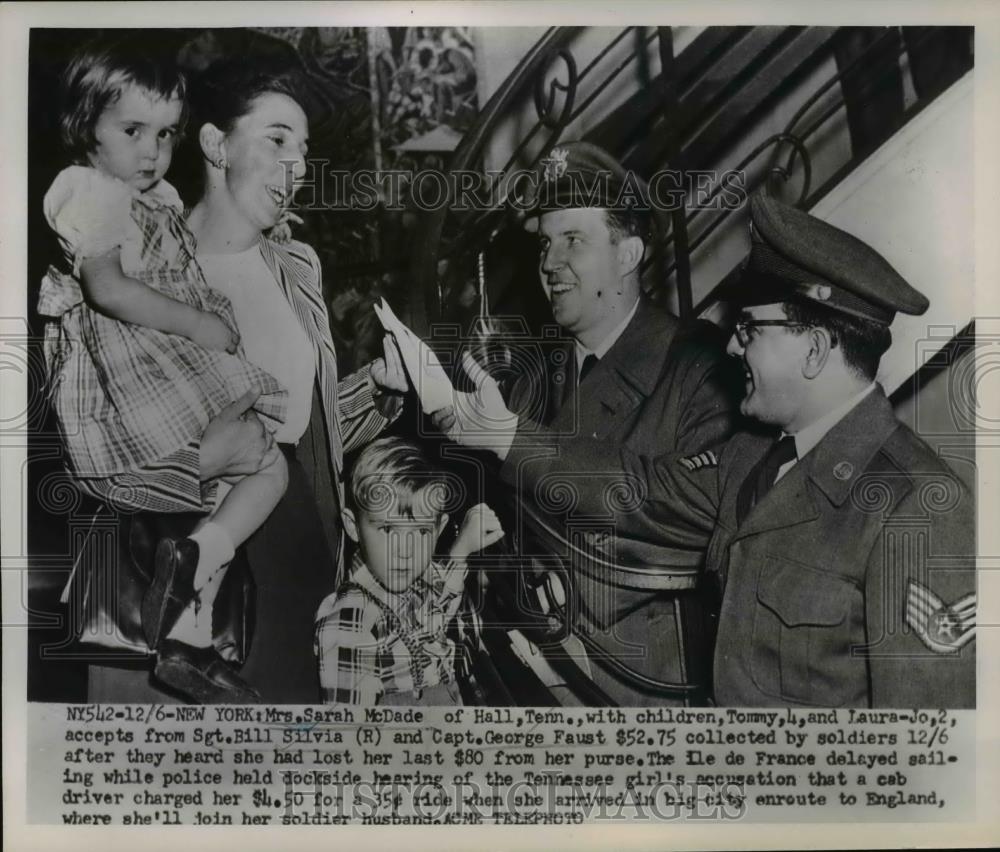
630	380
844	583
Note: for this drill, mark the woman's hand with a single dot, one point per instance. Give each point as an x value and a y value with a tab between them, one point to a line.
480	528
388	373
212	333
235	441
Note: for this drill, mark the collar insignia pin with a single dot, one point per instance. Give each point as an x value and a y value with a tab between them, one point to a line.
843	470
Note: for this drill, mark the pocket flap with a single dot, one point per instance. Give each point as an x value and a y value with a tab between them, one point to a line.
800	595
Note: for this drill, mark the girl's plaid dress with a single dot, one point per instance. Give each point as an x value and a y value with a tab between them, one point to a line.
127	395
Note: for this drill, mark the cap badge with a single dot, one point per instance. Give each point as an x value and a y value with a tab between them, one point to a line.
819	292
555	164
843	470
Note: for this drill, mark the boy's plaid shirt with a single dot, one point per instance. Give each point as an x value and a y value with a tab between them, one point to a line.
371	642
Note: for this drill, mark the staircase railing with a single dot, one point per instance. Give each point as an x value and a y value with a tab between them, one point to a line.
686	118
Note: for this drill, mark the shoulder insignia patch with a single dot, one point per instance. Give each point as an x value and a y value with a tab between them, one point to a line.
944	628
705	459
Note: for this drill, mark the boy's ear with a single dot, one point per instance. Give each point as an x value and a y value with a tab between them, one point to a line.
212	141
441	524
350	524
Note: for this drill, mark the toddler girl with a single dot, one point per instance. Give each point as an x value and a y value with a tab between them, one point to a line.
141	353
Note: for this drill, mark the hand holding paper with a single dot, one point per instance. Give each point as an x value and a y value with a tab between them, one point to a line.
426	374
481	418
388	372
478	419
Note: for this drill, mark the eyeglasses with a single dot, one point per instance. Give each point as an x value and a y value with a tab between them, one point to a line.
742	328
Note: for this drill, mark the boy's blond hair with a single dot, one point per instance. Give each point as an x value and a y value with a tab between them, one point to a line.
397	469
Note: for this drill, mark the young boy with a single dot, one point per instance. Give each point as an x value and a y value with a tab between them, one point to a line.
381	637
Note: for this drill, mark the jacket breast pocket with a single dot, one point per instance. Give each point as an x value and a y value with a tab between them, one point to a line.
804	624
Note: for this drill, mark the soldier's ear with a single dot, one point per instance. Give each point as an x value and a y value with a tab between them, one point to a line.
630	252
820	344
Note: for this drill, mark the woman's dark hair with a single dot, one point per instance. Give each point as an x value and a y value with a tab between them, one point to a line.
225	91
94	80
221	95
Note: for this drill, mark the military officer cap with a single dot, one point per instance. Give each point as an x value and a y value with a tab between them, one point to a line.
580	174
796	256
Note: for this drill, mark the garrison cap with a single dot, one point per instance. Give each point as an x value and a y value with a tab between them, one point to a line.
580	174
795	255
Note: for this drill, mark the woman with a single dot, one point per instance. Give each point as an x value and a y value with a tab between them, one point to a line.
252	135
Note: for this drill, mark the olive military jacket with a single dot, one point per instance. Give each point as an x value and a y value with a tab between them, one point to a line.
851	583
660	387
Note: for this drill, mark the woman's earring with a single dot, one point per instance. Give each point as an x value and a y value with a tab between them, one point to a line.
219	162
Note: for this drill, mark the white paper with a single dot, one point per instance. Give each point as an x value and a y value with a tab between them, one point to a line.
422	365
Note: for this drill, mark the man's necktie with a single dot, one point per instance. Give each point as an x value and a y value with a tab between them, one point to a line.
761	478
588	364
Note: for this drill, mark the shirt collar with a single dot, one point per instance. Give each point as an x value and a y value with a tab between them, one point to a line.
165	194
811	435
602	349
364	578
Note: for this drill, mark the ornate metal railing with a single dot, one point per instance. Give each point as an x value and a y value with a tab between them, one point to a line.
685	118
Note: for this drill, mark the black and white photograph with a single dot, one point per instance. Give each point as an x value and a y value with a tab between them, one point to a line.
441	418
